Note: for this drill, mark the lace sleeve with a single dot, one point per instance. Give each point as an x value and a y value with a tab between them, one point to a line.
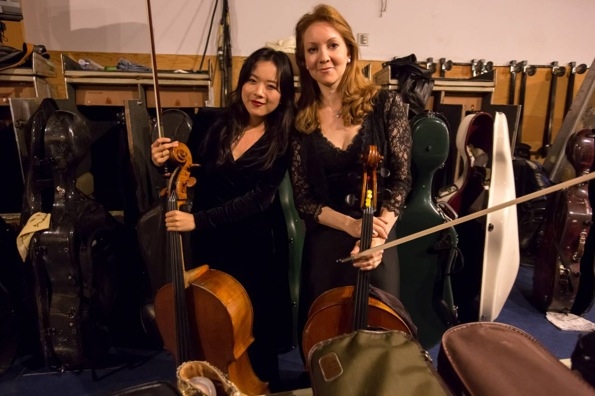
399	141
305	203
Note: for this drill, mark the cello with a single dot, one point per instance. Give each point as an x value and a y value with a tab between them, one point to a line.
426	263
350	308
203	314
559	269
224	332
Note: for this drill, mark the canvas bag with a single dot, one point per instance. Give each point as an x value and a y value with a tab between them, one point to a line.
201	378
373	363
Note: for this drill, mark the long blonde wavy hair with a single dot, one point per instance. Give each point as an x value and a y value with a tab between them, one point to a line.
356	91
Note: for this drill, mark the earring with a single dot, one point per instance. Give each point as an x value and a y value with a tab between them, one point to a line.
349	60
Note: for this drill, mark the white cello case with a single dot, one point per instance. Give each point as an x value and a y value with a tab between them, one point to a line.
501	257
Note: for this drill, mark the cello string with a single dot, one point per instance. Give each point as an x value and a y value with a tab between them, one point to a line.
368	205
360	320
452	223
174	248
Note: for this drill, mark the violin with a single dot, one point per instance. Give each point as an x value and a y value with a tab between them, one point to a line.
203	314
350	308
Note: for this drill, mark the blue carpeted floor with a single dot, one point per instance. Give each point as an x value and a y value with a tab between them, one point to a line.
518	311
127	368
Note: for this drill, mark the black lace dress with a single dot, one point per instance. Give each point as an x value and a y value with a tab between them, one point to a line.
324	175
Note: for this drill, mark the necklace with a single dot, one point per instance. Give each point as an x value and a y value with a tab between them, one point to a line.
337	113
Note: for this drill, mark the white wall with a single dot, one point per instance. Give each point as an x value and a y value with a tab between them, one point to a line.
539	31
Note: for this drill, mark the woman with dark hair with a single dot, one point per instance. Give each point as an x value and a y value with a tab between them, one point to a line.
340	114
242	153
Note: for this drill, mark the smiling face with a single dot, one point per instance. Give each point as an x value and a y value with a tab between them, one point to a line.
326	53
260	93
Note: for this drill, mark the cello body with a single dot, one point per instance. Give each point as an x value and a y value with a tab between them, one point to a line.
558	273
332	314
425	283
220	316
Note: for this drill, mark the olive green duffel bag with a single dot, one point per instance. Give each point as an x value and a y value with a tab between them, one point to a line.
374	363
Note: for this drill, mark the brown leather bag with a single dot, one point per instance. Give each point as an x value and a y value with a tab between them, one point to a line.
487	358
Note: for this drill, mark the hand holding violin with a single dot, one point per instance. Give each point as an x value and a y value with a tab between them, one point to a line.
160	150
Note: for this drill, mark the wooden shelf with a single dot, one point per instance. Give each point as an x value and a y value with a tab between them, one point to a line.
27	82
481	83
114	88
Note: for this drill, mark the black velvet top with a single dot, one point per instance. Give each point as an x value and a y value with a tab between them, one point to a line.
236	189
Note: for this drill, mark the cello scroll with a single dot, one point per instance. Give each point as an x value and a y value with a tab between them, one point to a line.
181	181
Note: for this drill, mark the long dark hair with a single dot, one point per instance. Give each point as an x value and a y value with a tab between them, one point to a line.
278	123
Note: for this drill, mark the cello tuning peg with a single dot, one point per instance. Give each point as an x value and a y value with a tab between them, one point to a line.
351	199
384	172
